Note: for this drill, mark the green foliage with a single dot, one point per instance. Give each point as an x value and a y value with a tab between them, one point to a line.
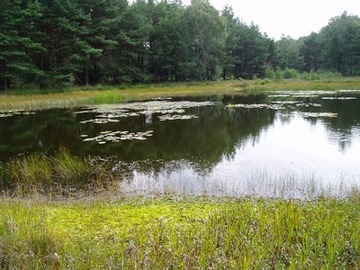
61	43
16	42
246	50
310	76
290	73
288	54
340	44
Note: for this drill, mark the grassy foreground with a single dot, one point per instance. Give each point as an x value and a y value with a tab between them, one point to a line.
34	100
180	233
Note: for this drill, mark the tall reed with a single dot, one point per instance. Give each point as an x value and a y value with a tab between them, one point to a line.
61	174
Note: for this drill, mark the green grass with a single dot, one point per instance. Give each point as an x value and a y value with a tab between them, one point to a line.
180	233
77	96
62	174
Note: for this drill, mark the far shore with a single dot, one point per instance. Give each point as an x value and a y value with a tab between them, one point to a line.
23	99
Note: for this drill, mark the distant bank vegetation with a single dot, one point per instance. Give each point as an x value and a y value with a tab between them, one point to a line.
46	44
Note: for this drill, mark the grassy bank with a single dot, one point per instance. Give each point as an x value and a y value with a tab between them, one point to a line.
180	233
35	100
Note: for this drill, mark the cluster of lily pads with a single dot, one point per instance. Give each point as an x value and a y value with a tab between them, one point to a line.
312	93
256	106
339	98
319	114
167	110
279	105
117	136
301	94
4	114
171	117
283	104
274	105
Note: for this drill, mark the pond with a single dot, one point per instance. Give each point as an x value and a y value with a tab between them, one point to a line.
279	144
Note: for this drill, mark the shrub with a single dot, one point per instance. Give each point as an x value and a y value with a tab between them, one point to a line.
290	73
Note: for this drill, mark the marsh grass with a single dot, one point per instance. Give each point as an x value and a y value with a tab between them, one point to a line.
69	169
78	96
181	233
62	174
30	174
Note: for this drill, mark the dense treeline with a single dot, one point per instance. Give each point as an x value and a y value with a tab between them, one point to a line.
64	42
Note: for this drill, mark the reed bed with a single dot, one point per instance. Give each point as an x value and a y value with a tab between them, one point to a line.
180	233
60	175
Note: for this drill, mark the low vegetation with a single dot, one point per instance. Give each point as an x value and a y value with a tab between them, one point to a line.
61	175
180	233
72	97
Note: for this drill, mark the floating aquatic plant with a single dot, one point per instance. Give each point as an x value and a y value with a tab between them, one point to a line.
117	136
301	104
12	113
305	93
257	106
154	106
338	98
100	121
279	95
171	117
170	110
285	102
319	114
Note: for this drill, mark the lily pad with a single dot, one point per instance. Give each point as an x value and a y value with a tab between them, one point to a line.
257	106
117	136
171	117
338	98
4	114
319	114
110	113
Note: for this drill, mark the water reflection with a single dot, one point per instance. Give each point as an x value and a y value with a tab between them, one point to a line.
297	144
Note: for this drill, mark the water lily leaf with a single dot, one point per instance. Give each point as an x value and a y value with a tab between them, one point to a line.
319	114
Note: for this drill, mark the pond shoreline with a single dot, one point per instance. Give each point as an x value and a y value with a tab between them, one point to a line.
76	97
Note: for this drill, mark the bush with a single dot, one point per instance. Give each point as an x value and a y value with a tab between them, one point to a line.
290	73
310	76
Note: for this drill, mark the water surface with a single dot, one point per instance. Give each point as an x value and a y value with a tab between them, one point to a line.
293	144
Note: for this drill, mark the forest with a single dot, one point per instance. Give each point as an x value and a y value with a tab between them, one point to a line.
61	43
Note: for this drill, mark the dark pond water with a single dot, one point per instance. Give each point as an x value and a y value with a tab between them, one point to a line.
299	144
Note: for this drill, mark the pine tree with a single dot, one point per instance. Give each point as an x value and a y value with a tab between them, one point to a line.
16	42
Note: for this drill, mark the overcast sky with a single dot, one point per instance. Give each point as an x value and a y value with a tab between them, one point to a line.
294	18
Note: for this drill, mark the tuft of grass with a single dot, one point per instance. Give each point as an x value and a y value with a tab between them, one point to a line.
62	174
68	168
30	174
181	233
108	97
